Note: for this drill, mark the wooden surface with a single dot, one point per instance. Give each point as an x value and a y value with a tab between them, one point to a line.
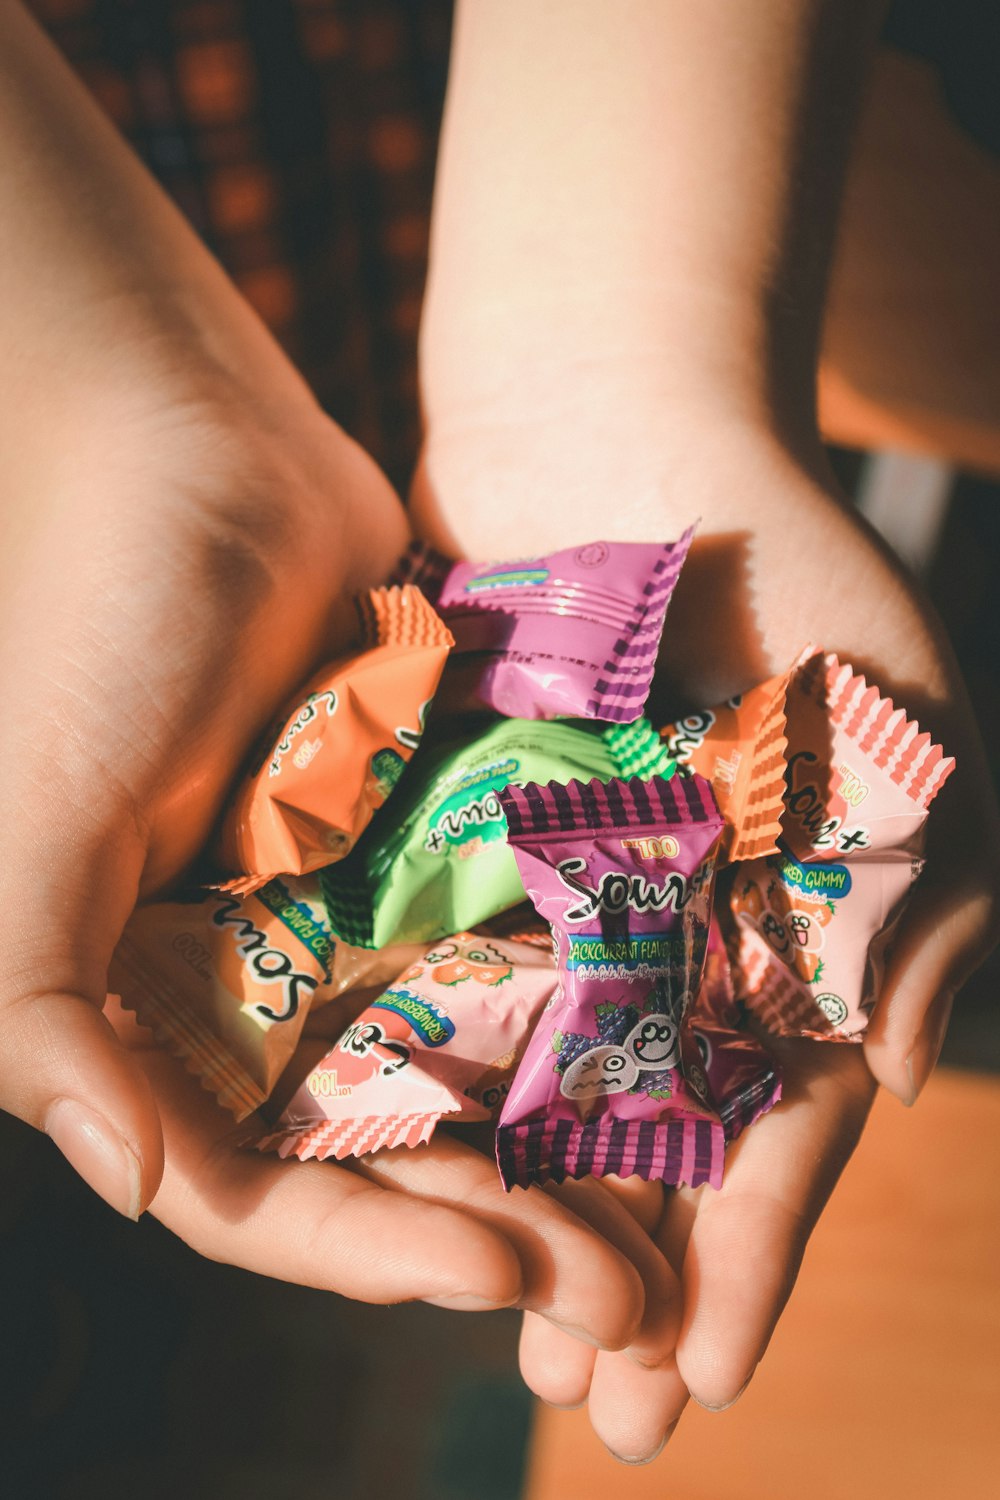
883	1379
911	356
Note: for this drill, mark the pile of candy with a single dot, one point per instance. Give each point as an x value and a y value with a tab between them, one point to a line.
749	861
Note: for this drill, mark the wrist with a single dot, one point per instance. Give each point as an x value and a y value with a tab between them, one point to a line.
615	449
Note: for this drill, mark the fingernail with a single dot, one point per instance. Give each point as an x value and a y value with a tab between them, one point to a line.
466	1302
923	1059
725	1405
646	1458
96	1150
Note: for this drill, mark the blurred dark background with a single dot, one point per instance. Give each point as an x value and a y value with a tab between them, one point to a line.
299	136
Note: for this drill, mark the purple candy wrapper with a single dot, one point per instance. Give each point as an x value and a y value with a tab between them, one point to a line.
724	1063
573	634
624	872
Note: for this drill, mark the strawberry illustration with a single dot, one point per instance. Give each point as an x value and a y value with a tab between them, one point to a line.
460	969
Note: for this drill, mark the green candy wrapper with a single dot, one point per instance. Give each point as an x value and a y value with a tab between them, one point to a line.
437	861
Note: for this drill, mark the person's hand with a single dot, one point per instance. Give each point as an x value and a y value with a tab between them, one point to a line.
182	532
779	561
433	1223
179	573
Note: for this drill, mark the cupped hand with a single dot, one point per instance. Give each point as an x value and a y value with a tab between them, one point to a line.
780	560
184	568
431	1223
179	553
735	1254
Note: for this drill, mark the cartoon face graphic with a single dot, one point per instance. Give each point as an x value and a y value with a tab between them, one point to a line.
653	1043
805	931
775	934
468	957
603	1070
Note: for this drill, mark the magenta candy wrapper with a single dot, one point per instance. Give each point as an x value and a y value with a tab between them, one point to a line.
624	873
723	1062
573	634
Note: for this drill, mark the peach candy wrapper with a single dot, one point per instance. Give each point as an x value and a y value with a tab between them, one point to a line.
624	874
339	748
441	1043
226	982
815	918
740	748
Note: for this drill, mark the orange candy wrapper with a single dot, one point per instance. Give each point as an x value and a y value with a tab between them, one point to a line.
740	748
339	748
226	982
815	918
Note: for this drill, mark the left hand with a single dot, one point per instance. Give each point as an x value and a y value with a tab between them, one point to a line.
735	1253
779	560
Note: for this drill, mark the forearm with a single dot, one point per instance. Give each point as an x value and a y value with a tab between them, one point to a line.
633	216
98	269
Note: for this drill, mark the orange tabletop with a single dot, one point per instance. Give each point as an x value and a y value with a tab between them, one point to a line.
883	1378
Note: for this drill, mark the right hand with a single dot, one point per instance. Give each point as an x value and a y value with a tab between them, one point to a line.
171	574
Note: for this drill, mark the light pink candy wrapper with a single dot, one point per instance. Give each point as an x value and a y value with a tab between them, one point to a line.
815	919
443	1041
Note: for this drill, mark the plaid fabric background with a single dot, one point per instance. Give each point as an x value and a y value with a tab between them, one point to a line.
299	138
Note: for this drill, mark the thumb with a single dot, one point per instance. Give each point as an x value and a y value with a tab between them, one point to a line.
62	1069
944	935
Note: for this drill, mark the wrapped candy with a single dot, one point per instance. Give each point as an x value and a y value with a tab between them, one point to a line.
740	748
624	873
723	1062
815	918
340	747
442	1042
437	861
226	981
572	634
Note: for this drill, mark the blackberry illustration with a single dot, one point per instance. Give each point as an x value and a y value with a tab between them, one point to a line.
569	1045
658	1084
614	1022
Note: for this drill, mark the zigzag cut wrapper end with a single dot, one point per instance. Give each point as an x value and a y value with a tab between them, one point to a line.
894	743
620	693
401	616
182	1032
341	1139
674	1152
746	1108
588	807
759	824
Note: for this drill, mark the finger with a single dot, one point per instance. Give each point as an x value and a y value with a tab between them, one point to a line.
314	1223
747	1239
572	1275
550	1364
632	1410
636	1396
644	1200
61	1067
944	935
601	1205
555	1365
